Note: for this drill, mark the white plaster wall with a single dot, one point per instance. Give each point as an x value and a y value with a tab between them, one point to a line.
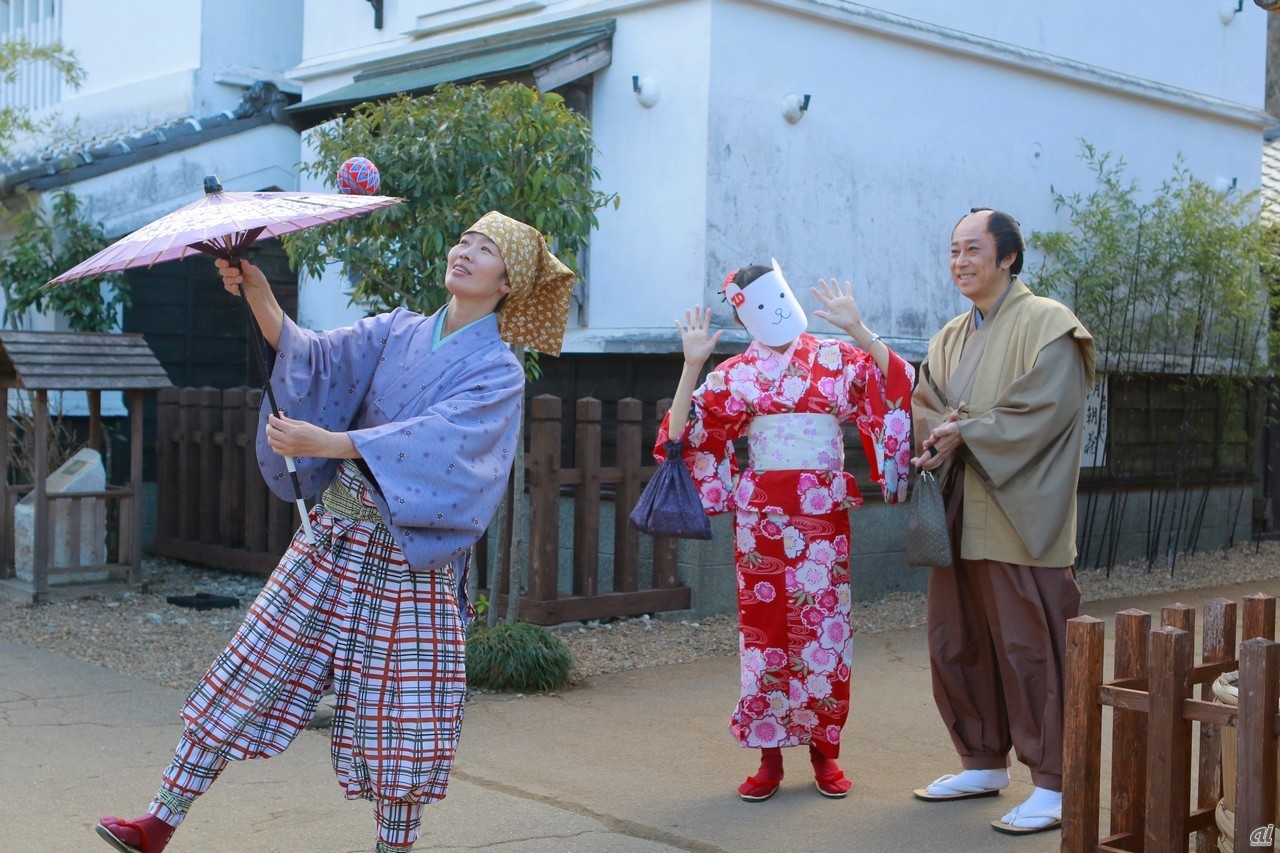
139	64
246	33
899	141
333	30
1182	44
158	60
649	254
920	109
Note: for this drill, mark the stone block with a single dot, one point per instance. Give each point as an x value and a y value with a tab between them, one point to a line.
83	472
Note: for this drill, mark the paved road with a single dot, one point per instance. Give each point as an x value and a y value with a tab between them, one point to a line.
633	762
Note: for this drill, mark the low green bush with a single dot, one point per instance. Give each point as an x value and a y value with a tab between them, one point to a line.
516	656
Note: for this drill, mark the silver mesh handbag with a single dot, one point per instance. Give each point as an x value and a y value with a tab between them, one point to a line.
928	541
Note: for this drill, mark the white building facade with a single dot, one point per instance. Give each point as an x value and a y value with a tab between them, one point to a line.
843	139
153	65
916	112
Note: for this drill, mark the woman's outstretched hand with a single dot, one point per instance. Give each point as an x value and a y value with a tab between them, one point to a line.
839	309
696	336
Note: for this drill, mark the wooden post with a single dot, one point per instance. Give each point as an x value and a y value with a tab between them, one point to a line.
168	479
188	465
95	420
134	522
1183	618
1129	729
1168	738
630	452
41	517
1259	617
586	503
1256	740
231	488
210	482
1082	743
544	497
1179	616
1217	644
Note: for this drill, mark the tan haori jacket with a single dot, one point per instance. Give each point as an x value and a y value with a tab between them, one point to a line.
1023	431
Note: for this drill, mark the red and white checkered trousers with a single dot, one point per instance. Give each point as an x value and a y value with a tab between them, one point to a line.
350	614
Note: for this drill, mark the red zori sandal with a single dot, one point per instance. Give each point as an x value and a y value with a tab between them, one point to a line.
832	785
147	834
756	789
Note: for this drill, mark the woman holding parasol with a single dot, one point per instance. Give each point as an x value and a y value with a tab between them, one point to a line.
408	424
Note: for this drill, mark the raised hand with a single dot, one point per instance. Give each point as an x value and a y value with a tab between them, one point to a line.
245	274
839	307
696	336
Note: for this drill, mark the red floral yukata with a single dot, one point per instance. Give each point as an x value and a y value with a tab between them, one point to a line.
791	524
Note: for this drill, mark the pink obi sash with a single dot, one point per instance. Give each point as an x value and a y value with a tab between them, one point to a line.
796	441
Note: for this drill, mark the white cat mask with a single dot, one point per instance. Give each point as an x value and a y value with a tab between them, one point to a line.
768	309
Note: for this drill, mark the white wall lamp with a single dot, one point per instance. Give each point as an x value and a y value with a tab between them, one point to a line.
1228	9
646	89
794	107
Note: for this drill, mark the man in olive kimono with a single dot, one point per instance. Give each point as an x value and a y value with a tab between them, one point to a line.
405	426
999	410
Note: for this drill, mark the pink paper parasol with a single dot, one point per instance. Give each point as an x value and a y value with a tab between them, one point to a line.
224	224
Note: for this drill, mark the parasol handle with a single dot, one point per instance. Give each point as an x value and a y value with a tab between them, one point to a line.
258	343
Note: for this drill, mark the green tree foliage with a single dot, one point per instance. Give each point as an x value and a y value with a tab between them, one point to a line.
452	155
15	121
1176	289
44	246
1173	284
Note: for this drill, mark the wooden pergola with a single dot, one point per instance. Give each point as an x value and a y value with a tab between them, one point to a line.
92	362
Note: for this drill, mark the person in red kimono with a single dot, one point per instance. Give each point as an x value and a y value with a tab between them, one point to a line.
788	396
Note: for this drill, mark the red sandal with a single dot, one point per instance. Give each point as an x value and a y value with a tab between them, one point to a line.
832	785
828	776
756	789
764	784
147	834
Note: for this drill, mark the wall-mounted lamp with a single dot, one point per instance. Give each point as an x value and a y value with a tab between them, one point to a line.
646	89
1226	185
794	107
1228	9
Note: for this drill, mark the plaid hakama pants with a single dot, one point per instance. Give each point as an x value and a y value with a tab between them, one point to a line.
347	614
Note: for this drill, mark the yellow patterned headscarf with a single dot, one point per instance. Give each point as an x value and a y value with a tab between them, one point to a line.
537	308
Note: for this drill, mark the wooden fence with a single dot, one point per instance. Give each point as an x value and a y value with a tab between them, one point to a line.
1152	695
215	509
213	506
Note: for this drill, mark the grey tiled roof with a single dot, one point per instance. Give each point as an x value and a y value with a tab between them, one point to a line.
262	104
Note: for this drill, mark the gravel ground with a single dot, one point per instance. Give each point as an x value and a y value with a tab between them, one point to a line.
143	635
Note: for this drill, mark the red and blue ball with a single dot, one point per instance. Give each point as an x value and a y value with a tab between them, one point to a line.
358	176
